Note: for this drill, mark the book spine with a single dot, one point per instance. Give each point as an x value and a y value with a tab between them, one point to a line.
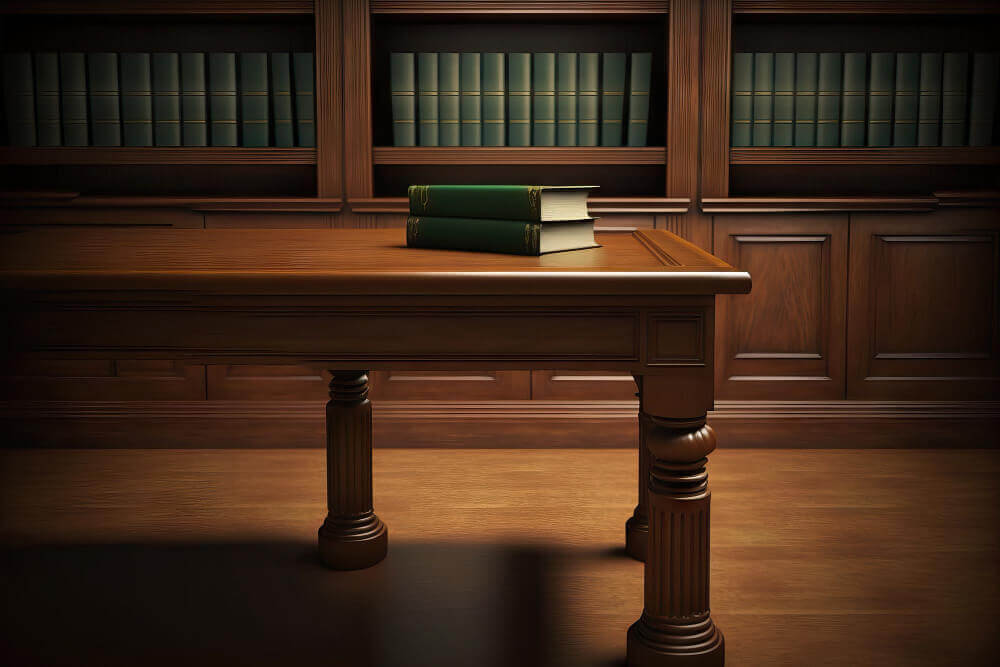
73	88
587	90
954	98
904	118
194	108
742	110
47	99
763	98
403	83
638	99
254	115
19	99
305	103
281	100
105	120
519	99
929	105
543	102
566	76
137	99
449	113
612	98
494	100
427	98
222	99
503	236
786	102
852	116
166	99
982	106
471	98
828	100
509	202
880	94
806	84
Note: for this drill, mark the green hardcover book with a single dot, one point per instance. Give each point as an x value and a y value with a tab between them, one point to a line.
742	111
586	92
494	102
19	99
166	99
806	85
471	98
254	116
103	93
449	109
828	100
281	100
403	82
530	203
852	109
612	98
543	99
427	98
73	88
982	106
222	99
638	99
904	112
194	108
929	104
48	126
566	76
954	98
305	103
763	98
785	131
519	99
880	94
137	99
504	236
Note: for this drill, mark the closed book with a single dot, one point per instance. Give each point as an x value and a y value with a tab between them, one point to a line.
137	99
471	98
612	98
638	99
222	99
742	111
73	89
166	99
880	96
904	105
494	101
427	98
19	99
449	112
305	102
510	237
403	84
982	105
566	76
588	67
530	203
283	119
519	99
828	100
543	99
194	107
929	104
852	107
806	85
786	93
254	115
103	93
48	127
763	98
954	98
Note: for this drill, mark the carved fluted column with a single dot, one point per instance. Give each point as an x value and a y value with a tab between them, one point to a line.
352	536
637	527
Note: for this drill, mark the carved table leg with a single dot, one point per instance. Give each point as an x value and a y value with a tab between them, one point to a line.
352	537
637	527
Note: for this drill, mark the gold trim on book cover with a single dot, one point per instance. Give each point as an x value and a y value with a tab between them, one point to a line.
420	198
534	200
411	230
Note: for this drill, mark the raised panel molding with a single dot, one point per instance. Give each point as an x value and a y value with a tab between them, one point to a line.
582	385
675	339
451	385
103	380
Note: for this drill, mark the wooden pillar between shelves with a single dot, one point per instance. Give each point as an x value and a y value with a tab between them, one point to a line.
329	104
716	58
358	151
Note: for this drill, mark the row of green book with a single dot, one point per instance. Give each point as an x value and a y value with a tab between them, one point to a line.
853	99
159	99
520	99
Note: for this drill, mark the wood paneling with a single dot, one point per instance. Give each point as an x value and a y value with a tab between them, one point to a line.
785	340
451	385
129	217
268	221
939	155
329	104
582	385
357	99
265	382
716	24
102	380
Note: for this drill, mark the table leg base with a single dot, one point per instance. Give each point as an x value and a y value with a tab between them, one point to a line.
699	644
636	538
353	545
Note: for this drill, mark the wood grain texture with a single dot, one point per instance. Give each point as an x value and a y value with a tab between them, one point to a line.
970	198
357	100
862	7
102	380
716	49
683	108
519	155
938	155
127	155
595	205
329	101
161	7
501	7
817	204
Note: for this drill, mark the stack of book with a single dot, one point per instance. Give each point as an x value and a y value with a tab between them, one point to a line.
857	99
512	219
520	99
159	99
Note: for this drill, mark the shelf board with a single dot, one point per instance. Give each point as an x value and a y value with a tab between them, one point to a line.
30	199
597	205
815	204
971	198
861	7
942	155
502	7
156	7
129	155
520	155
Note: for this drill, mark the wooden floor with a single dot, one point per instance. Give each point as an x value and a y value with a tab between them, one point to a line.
497	557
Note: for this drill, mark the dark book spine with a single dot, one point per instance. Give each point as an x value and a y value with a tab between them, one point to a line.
19	99
543	99
508	202
587	91
166	99
566	78
638	99
806	83
222	99
763	98
880	95
785	100
954	99
73	89
402	75
103	91
503	236
471	98
929	105
983	105
828	100
137	99
852	117
904	119
428	108
742	110
449	112
494	100
612	98
47	99
519	99
305	104
194	106
281	100
254	115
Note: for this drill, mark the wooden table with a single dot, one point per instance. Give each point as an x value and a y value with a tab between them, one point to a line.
359	299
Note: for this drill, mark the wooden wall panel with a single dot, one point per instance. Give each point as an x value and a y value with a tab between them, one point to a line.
103	380
265	382
269	220
147	217
329	107
582	386
451	385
